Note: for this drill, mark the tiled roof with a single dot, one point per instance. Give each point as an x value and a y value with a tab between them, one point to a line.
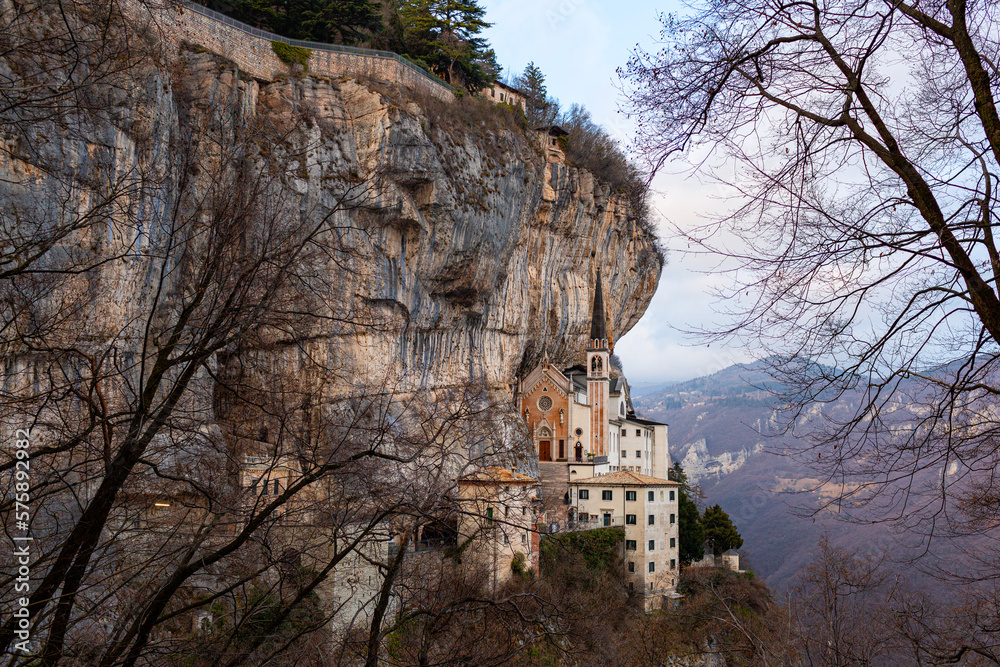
496	475
625	478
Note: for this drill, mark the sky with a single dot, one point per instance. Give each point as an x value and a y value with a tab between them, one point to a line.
579	45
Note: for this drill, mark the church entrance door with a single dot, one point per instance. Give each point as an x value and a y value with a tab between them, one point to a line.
545	450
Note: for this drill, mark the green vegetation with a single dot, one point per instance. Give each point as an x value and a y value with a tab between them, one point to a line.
328	21
720	531
691	545
292	54
600	548
445	35
541	109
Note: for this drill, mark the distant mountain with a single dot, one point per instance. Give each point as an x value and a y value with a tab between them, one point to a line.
723	429
644	389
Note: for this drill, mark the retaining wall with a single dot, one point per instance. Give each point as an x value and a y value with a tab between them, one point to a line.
250	48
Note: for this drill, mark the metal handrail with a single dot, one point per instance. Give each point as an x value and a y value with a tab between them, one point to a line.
316	46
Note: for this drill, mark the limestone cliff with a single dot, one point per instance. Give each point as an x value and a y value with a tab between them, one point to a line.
478	252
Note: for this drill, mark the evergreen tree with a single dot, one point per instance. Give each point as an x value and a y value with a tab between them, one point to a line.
691	542
445	34
541	109
720	530
328	21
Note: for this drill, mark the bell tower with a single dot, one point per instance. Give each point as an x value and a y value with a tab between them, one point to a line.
598	359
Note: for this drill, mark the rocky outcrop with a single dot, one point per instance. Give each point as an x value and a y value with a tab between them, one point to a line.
476	255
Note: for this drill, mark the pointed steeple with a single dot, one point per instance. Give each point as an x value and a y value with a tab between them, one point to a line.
598	322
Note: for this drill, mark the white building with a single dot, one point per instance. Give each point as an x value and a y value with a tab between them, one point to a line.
647	509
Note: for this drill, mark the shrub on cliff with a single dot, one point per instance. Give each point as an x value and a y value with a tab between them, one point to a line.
293	55
589	146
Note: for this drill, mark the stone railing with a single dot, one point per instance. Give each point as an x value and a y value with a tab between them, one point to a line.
250	49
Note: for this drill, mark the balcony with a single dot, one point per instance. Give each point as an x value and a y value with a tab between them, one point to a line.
582	524
593	459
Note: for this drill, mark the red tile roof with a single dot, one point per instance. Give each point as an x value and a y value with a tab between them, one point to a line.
624	478
495	475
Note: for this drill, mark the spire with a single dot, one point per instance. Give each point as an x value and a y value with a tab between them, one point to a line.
598	323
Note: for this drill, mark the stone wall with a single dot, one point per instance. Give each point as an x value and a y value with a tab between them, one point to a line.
250	49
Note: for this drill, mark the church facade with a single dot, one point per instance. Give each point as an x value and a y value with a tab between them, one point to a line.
583	415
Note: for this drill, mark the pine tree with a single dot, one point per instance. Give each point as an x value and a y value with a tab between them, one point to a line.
720	530
539	106
691	543
445	34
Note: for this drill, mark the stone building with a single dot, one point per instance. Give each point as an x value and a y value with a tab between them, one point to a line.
550	137
646	507
498	512
729	559
502	93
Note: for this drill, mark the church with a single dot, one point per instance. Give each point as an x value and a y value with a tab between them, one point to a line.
582	416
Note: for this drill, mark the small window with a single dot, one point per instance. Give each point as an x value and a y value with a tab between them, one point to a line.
505	540
524	538
638	432
652	545
624	454
276	487
584	494
263	486
631	566
629	519
673	518
623	432
253	486
652	568
671	495
673	563
629	545
489	515
630	495
652	519
638	454
673	542
649	496
606	495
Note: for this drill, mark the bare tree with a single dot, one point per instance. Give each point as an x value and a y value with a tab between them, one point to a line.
863	141
195	459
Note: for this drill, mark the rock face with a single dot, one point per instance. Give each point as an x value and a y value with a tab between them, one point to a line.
476	253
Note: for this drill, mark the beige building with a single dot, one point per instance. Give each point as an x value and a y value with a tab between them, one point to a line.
646	507
498	512
502	93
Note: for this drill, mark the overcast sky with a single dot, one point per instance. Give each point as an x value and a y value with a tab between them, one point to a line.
579	44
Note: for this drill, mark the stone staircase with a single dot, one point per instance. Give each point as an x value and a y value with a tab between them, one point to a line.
555	484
